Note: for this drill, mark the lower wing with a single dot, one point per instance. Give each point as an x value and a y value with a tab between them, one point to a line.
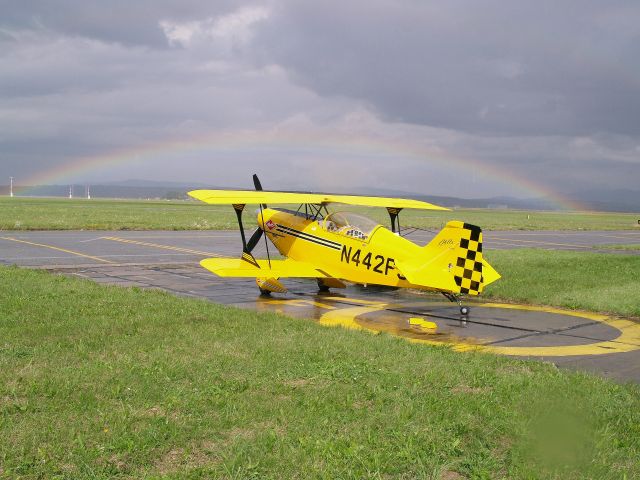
238	267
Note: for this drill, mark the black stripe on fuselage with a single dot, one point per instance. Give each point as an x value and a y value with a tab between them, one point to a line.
308	237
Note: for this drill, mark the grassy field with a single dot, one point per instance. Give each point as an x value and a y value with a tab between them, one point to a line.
580	280
97	214
629	247
106	382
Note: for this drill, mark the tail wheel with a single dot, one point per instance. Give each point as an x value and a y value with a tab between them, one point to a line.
464	310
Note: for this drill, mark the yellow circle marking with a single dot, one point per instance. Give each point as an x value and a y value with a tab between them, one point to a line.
628	340
346	317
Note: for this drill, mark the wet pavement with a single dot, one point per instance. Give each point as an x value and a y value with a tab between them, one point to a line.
169	261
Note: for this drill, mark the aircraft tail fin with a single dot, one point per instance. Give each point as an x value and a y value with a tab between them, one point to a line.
453	261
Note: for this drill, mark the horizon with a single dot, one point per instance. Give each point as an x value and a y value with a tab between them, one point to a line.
157	189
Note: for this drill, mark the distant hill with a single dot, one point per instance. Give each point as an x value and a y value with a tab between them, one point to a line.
610	199
613	200
491	202
142	189
101	191
604	200
155	184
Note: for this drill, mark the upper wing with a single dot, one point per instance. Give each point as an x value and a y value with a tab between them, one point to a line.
236	267
228	197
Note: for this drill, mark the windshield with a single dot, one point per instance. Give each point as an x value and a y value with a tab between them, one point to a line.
350	224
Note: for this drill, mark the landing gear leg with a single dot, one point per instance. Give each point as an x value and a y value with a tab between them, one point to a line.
464	310
322	288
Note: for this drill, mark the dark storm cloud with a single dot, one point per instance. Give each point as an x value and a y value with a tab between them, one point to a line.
549	91
500	67
123	21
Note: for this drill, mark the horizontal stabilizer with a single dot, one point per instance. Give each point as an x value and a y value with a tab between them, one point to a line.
431	273
237	267
489	274
240	197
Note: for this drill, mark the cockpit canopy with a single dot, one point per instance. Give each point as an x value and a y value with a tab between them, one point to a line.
349	224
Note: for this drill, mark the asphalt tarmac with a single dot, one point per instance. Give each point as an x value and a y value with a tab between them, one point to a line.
169	261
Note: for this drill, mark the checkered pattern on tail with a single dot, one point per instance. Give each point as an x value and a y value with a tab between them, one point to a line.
467	272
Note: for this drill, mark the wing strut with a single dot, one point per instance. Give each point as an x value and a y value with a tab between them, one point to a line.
239	207
246	248
266	244
394	216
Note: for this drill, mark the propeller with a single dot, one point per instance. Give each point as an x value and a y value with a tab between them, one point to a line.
257	234
255	238
256	183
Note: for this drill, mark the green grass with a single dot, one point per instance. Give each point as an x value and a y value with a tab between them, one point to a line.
580	280
107	382
97	214
522	219
629	247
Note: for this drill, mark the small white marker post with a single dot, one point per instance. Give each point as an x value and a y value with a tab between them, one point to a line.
88	193
70	191
11	187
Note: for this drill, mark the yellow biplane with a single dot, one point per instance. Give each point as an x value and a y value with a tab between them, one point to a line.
340	247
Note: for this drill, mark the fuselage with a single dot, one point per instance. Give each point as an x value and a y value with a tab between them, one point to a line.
345	252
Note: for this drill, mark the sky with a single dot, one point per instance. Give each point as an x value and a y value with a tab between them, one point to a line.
458	98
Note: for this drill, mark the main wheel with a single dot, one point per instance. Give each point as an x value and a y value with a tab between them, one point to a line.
265	293
322	288
464	310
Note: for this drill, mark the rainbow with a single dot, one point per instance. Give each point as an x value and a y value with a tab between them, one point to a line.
328	144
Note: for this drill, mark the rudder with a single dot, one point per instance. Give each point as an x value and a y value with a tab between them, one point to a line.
467	272
453	261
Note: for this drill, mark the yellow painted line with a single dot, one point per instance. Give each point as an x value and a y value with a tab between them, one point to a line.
538	242
322	305
355	300
628	340
166	247
501	243
555	233
619	237
57	248
299	303
599	234
184	237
